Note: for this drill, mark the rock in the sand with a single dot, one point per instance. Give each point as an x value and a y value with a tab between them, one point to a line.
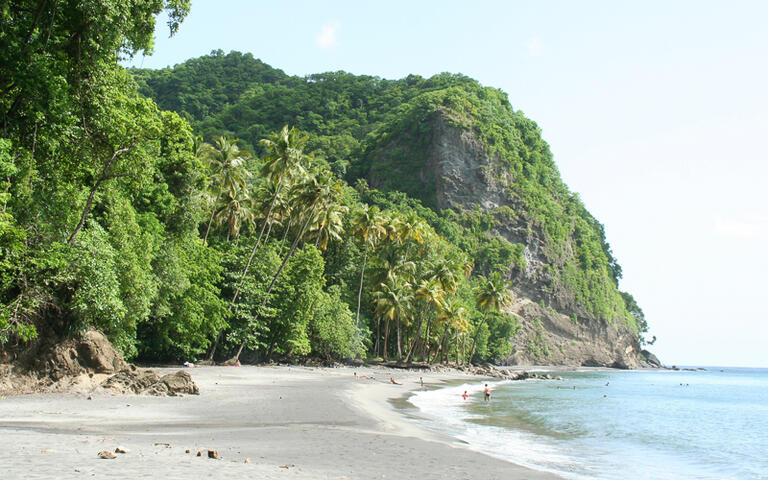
139	380
199	453
107	454
97	353
180	382
121	450
213	454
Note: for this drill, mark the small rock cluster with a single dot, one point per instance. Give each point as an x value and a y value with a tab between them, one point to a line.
147	382
505	374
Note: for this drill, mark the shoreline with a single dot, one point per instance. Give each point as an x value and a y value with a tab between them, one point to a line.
302	422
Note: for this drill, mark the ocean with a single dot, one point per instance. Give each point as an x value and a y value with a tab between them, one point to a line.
641	424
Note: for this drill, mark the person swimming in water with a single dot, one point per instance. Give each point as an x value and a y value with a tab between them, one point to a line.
487	393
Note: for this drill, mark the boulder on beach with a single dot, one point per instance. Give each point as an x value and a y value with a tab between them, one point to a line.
85	363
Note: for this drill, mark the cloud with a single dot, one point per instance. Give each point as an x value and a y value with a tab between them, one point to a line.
533	45
327	36
748	227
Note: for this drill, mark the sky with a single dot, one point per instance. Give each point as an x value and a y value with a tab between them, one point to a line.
656	113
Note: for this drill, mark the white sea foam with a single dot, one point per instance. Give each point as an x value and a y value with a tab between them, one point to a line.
610	425
446	411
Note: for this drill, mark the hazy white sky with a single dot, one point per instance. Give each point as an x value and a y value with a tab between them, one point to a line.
656	112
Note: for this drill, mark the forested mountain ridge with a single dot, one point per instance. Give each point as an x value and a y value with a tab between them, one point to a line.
462	150
180	241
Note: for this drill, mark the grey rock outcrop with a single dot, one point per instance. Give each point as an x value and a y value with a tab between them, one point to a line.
459	174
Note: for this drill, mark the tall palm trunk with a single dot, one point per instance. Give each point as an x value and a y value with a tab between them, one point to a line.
399	339
210	220
277	274
425	343
285	233
386	337
416	338
477	334
440	346
360	290
267	221
105	175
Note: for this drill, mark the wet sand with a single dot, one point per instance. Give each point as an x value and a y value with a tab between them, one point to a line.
286	422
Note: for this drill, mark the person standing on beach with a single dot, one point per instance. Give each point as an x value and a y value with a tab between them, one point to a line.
487	393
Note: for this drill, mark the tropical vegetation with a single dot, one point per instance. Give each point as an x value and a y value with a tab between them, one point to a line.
220	209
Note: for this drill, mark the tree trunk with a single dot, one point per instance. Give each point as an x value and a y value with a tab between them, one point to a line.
269	230
256	245
215	344
290	252
386	336
279	271
285	233
477	334
415	339
440	345
399	339
269	214
425	343
210	220
360	290
103	177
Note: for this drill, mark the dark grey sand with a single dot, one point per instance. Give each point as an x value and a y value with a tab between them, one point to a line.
265	423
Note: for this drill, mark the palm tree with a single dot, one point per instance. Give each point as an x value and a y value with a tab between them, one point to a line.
227	163
430	293
452	316
329	225
392	303
445	274
491	295
319	190
394	264
285	161
234	212
368	226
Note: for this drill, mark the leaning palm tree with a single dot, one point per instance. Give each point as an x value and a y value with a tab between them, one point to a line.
284	162
318	191
492	295
228	174
368	227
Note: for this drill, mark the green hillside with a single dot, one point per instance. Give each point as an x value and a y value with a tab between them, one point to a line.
380	130
175	211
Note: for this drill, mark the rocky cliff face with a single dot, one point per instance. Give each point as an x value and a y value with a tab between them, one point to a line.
555	328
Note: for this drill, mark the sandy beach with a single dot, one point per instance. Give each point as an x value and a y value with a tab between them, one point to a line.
264	422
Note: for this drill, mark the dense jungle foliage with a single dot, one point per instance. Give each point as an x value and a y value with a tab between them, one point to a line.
202	226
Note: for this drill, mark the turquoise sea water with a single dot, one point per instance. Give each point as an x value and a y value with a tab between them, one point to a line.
709	424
